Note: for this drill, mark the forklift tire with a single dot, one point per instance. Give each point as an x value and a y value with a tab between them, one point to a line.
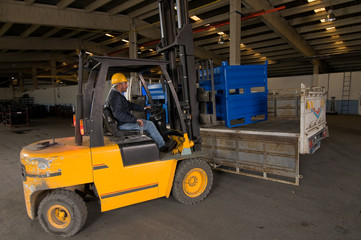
62	213
193	181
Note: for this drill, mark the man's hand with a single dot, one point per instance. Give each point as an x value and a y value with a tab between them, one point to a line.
140	122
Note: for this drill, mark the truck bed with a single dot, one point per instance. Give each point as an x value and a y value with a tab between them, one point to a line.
269	127
267	150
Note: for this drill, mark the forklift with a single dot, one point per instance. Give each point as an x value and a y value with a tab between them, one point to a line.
121	168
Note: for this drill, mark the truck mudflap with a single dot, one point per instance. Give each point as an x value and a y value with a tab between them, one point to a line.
269	156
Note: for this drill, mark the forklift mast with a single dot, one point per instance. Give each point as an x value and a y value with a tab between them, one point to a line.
177	44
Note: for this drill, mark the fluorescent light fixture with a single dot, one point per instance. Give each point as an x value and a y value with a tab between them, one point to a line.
195	18
323	20
109	35
220	40
220	33
257	54
320	10
242	45
330	16
151	50
311	1
330	28
338	42
125	40
335	36
86	53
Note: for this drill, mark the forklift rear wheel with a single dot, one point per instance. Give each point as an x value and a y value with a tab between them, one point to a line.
193	181
62	213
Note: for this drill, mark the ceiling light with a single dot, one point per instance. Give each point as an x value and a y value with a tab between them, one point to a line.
87	53
311	1
323	20
220	33
330	28
221	40
330	16
257	54
151	50
139	52
125	40
339	42
320	10
195	18
335	36
109	35
242	45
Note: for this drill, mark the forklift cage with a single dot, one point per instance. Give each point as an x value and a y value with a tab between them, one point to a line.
90	106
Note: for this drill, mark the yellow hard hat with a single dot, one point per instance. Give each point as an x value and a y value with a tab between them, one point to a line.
118	78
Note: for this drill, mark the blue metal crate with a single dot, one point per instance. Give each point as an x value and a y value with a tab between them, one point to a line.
241	93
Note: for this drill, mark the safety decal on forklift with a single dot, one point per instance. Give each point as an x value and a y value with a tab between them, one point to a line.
129	190
99	166
55	174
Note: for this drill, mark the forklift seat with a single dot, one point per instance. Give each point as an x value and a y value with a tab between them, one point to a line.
111	125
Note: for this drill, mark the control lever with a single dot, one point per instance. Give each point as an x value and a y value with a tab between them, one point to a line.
141	132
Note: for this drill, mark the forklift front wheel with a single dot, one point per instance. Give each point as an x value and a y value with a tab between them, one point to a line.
62	213
193	181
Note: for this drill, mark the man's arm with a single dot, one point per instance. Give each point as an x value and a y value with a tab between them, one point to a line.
136	107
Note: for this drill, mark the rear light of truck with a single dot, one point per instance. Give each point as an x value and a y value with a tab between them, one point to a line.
324	133
310	143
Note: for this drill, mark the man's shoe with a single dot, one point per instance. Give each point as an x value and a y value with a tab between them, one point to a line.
168	146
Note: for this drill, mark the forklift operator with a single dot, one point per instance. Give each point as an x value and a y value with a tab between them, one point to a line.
121	108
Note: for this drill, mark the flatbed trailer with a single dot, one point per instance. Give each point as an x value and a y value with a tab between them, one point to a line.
270	149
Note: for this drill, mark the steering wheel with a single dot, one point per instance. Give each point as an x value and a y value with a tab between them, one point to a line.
156	109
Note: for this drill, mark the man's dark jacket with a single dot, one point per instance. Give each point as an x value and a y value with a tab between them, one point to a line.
121	107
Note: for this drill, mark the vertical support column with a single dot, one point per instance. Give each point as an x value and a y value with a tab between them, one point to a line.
133	41
53	78
35	80
133	53
235	32
21	83
315	75
12	89
53	72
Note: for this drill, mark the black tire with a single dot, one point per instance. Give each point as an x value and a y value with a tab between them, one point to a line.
192	182
62	213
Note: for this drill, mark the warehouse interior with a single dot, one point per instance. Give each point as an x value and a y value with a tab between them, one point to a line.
316	43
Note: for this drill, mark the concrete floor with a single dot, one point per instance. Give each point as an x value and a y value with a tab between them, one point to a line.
326	205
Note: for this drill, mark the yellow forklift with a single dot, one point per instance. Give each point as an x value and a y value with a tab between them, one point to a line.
121	168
